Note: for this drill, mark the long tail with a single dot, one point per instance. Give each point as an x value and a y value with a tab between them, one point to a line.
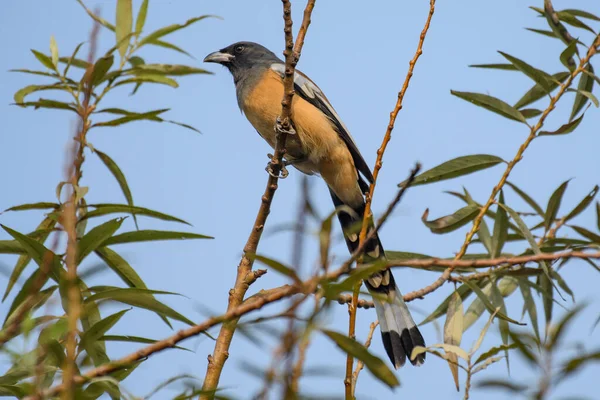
399	332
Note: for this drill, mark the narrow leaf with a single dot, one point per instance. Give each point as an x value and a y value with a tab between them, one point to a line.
453	329
456	167
106	209
505	67
450	222
377	367
169	29
537	91
54	52
140	21
540	77
119	176
120	267
124	24
151	235
277	266
565	128
532	203
554	204
101	67
586	83
529	304
44	59
96	237
583	204
488	304
96	18
492	104
566	57
500	228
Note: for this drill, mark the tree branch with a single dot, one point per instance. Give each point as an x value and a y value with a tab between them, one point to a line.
216	362
369	197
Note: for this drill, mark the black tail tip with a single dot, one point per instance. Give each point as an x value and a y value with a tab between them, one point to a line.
400	346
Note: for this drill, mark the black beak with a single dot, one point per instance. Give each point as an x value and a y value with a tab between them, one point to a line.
219	57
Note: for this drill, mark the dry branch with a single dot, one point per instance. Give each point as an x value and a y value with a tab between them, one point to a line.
236	295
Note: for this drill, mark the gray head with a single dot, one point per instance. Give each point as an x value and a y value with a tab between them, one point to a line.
243	56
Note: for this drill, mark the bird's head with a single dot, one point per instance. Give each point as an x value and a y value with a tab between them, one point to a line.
242	56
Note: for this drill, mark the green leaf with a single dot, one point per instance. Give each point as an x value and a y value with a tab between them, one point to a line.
543	32
586	84
564	129
583	204
598	215
75	62
528	235
132	339
44	59
142	298
120	267
152	37
500	228
101	67
547	297
96	18
529	304
587	234
140	21
493	351
20	94
150	116
91	335
277	266
492	104
72	60
459	166
377	367
496	384
151	235
463	290
96	237
566	57
53	104
572	20
54	52
484	236
579	13
453	330
42	205
11	247
149	78
124	24
24	259
556	332
537	91
170	46
532	203
505	67
488	304
37	251
167	69
540	77
554	205
476	308
451	222
105	209
119	176
530	112
576	363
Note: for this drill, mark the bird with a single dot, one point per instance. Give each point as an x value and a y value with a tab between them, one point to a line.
322	146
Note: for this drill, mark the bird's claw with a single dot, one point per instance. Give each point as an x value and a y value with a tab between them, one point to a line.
280	128
283	172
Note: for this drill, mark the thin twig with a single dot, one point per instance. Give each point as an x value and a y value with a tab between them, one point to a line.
68	219
369	196
216	361
360	364
265	297
532	135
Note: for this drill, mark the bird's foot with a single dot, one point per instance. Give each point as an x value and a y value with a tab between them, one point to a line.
279	127
283	172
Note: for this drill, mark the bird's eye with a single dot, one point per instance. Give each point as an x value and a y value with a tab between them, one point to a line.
239	49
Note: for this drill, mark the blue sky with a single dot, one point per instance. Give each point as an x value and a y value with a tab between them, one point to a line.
358	54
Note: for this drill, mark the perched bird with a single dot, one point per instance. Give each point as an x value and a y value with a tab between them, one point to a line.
322	146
